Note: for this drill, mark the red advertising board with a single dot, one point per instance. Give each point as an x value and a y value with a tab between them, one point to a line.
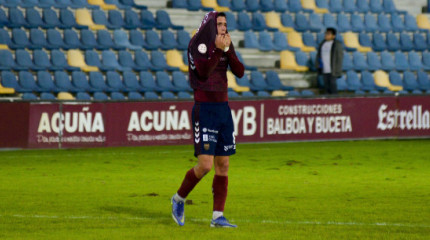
53	125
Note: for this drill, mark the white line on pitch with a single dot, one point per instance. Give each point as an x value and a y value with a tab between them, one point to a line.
266	221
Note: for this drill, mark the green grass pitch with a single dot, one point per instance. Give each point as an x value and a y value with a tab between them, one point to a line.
317	190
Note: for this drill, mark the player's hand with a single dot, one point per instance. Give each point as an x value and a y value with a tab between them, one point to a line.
227	40
220	42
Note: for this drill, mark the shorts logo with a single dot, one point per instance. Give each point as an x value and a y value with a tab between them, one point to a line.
197	133
205	138
229	147
206	146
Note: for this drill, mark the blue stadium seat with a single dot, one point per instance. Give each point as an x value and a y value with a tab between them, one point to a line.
258	83
423	80
100	18
7	61
45	82
401	61
104	40
115	19
126	61
357	24
425	58
118	4
343	23
33	19
243	22
250	40
49	4
287	20
88	39
280	42
272	79
296	6
265	5
280	6
92	58
158	60
71	39
384	23
349	6
19	39
179	4
364	40
5	38
307	93
110	62
248	94
329	21
265	42
54	40
147	82
397	23
24	61
59	62
370	22
152	40
302	58
164	82
387	61
168	40
26	80
97	81
8	79
185	57
359	61
259	23
347	63
293	93
16	18
393	43
150	96
243	81
224	3
131	20
315	23
231	20
322	4
379	43
415	63
301	23
389	7
419	42
142	61
353	81
406	43
83	96
196	5
29	96
4	21
184	95
37	39
47	96
136	38
132	3
132	96
410	81
51	19
341	84
369	82
167	95
147	19
113	80
263	94
68	20
163	21
63	83
376	6
41	60
238	5
120	38
180	81
253	5
335	6
309	40
26	3
82	4
410	23
131	82
183	39
100	96
395	78
80	81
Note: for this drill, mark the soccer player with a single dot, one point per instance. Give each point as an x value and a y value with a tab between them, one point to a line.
210	52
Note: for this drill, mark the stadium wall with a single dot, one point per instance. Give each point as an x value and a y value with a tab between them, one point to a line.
85	124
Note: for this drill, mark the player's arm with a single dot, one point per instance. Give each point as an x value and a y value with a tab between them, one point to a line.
205	67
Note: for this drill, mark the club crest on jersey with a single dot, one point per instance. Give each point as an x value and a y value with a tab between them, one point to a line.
202	48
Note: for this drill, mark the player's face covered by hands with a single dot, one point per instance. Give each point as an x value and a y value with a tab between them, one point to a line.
222	39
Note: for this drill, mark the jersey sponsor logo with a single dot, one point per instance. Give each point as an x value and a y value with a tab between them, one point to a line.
205	138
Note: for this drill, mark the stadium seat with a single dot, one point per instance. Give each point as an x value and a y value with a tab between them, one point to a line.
274	82
104	40
277	93
410	81
24	61
27	81
335	6
238	5
288	61
119	96
247	94
152	40
406	43
125	59
349	6
168	40
47	96
315	23
59	62
243	22
142	61
295	6
120	39
83	17
266	5
341	84
369	82
6	90
302	59
132	3
19	39
37	39
147	82
164	82
16	18
419	42
389	6
196	5
393	43
311	5
307	93
54	40
71	39
397	23
280	42
158	60
92	58
65	96
423	80
174	59
263	94
259	23
83	96
7	62
395	78
384	23
352	44
410	23
293	93
382	80
180	82
347	63
80	81
426	60
415	63
280	6
252	5
353	81
376	6
357	24
231	20
131	82
233	84
34	19
184	95
68	20
309	40
213	4
9	81
29	96
76	59
88	39
370	22
51	19
401	61
113	80
378	42
274	21
329	21
243	81
131	20
295	40
387	61
258	83
97	81
250	40
82	4
115	19
110	62
265	42
364	40
301	23
41	60
182	38
163	21
287	21
100	96
359	61
102	4
151	96
232	94
343	23
147	20
423	22
63	82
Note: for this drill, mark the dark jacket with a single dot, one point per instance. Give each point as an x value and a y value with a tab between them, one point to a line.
336	58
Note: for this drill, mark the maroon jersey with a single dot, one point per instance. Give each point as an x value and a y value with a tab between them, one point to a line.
208	64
